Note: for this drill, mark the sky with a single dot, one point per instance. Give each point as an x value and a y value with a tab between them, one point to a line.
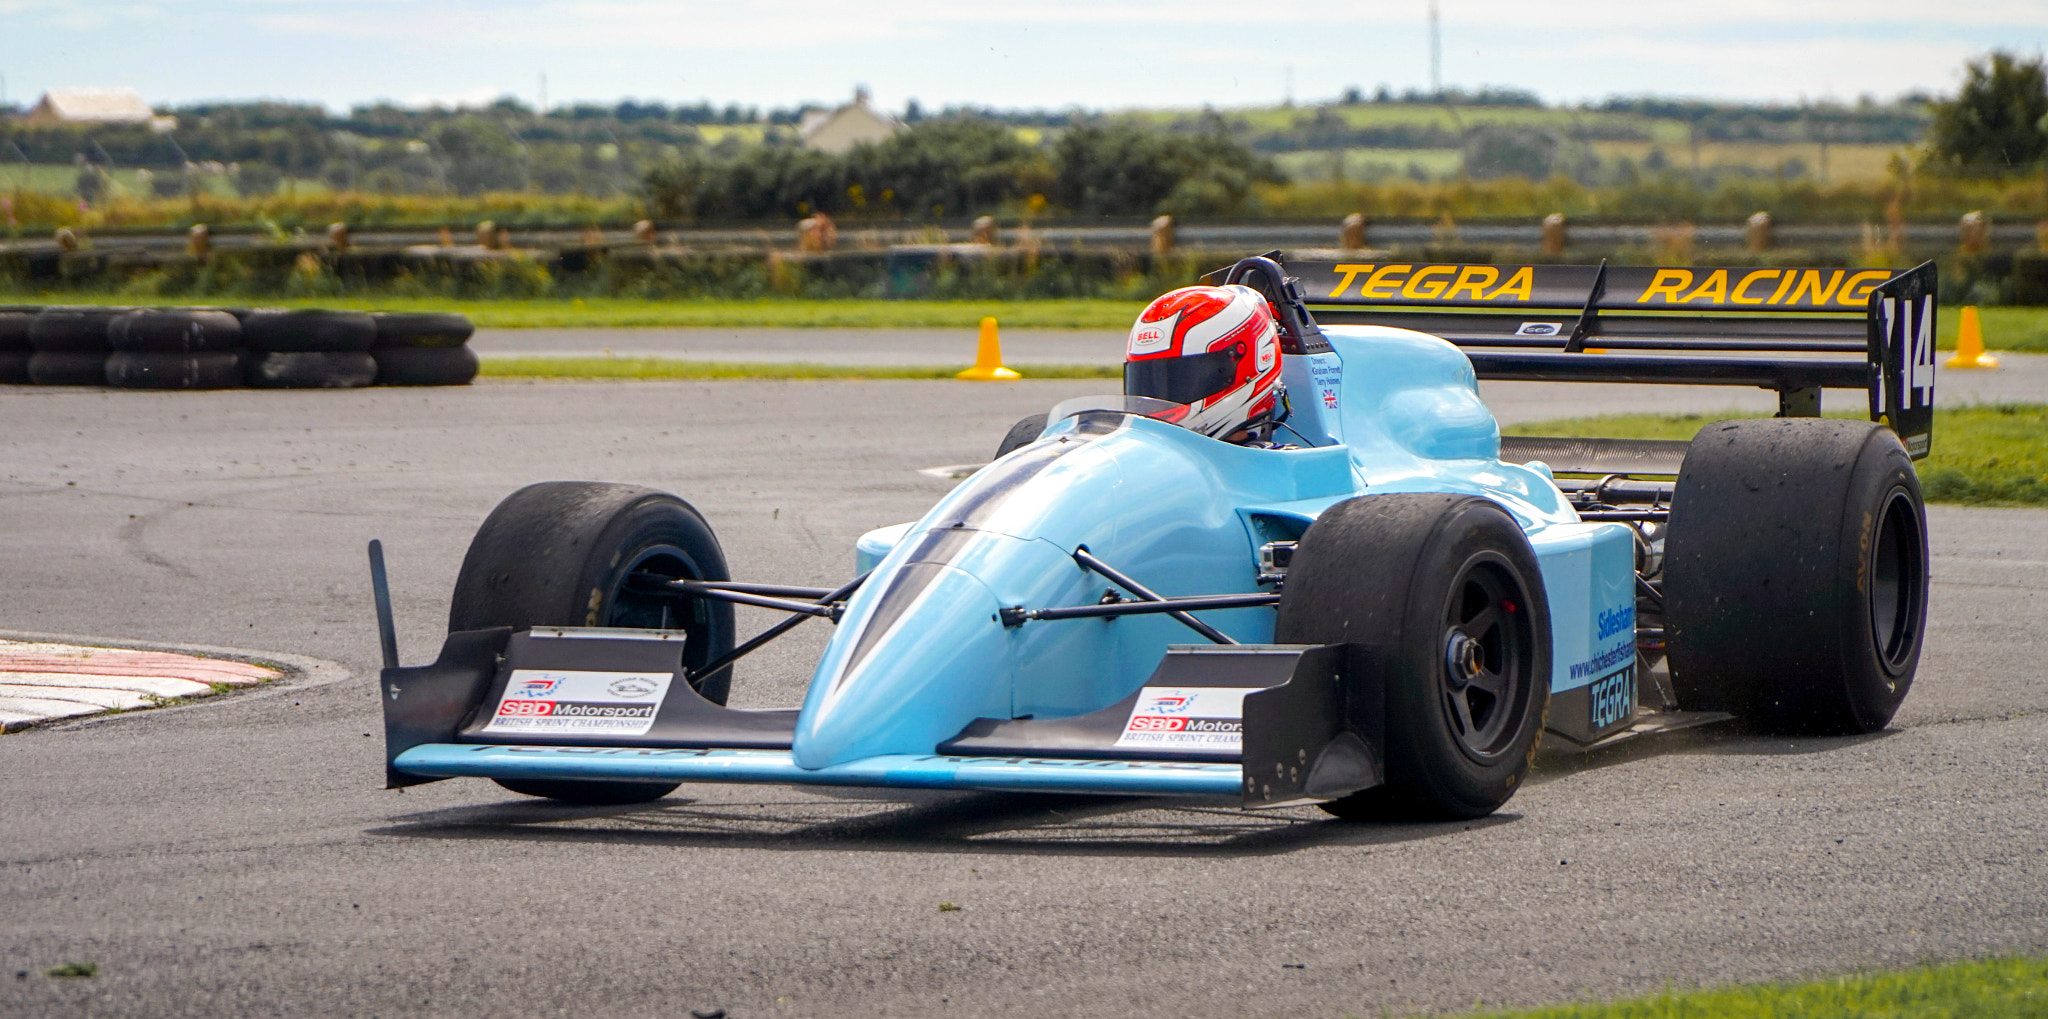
1095	54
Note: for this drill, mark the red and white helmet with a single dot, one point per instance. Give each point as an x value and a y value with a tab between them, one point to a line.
1215	349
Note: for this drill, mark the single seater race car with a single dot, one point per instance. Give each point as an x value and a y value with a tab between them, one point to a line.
1381	616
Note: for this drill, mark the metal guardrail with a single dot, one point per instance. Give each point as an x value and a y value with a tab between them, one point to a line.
1236	236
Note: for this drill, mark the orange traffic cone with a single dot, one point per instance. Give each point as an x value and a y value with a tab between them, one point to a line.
1970	343
988	358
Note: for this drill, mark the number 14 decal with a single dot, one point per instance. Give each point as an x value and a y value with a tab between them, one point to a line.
1910	326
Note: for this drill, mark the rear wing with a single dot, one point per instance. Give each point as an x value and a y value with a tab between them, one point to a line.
1795	331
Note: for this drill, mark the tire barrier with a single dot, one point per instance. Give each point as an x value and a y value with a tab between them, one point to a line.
67	368
268	331
420	330
425	366
73	330
174	331
219	369
14	348
311	369
223	348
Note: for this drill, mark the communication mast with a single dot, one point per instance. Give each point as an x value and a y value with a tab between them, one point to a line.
1436	52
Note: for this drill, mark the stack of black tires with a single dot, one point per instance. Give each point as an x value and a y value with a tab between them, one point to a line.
423	349
68	346
14	348
173	348
211	348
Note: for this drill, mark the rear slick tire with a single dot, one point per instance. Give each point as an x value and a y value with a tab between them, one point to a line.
565	553
1796	574
1448	591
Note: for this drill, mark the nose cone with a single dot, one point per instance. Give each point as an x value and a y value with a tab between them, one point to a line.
928	656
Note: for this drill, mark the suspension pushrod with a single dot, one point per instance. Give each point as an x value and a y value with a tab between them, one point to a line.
1089	562
1014	616
809	608
773	590
724	661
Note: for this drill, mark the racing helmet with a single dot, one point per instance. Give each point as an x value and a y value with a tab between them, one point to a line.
1215	349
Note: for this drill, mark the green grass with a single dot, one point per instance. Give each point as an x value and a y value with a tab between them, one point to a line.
1989	455
665	368
600	312
1966	990
2005	328
1369	164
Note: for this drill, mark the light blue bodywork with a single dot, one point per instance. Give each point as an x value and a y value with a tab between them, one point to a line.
919	652
1388	410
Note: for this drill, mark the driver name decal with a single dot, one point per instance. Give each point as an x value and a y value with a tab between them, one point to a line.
1183	718
551	703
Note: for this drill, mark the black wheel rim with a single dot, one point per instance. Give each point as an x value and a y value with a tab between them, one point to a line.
640	601
1488	656
1898	583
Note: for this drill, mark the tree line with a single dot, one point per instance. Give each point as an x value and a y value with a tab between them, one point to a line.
940	169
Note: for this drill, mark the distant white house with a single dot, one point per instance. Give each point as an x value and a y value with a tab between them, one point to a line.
94	106
836	131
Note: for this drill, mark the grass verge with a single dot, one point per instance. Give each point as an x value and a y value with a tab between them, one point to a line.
615	312
1983	455
665	368
1987	988
2005	328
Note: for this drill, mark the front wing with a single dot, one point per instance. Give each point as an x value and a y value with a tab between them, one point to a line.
905	771
1308	718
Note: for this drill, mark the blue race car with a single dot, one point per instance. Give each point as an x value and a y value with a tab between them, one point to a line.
1381	614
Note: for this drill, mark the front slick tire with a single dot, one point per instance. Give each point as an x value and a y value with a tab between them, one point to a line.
1795	574
1447	589
577	553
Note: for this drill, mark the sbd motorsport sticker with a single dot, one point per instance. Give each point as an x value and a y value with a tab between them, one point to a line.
1184	718
542	701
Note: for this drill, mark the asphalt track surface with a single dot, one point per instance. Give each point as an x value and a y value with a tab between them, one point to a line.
239	857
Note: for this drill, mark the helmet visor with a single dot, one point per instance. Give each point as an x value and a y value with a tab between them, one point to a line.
1190	379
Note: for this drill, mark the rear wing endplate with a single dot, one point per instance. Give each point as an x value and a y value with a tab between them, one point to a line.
1795	331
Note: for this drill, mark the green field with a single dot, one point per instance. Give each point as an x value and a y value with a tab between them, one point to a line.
1320	165
1671	136
62	179
1992	455
1989	989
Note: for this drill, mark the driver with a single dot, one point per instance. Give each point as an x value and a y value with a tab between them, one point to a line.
1216	350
